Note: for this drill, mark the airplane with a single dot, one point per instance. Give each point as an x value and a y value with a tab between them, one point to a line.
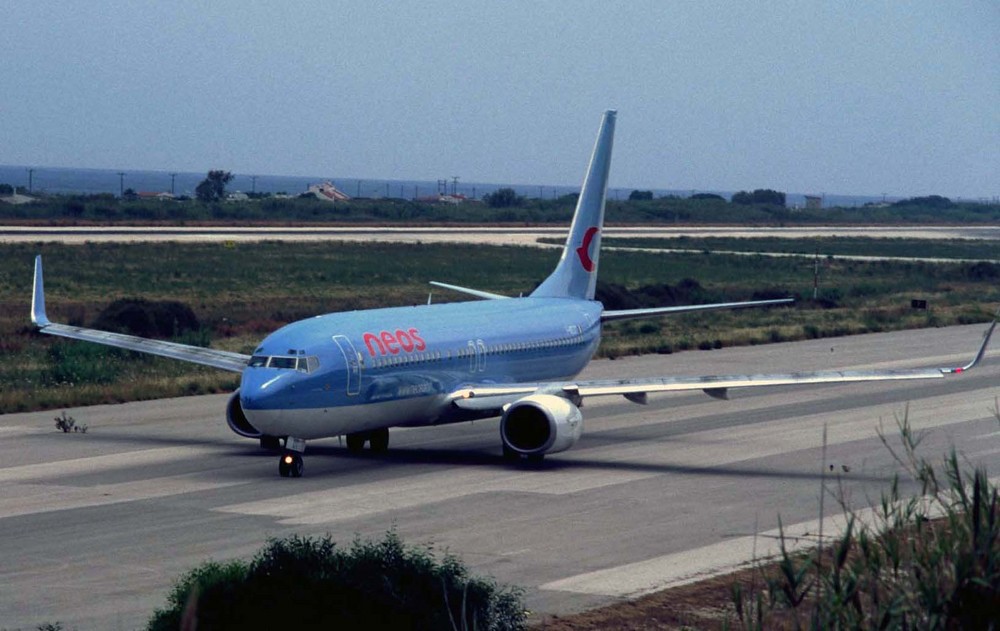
356	374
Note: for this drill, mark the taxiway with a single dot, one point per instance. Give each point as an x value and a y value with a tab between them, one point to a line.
95	527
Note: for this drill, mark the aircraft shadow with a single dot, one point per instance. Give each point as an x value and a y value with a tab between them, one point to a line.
481	458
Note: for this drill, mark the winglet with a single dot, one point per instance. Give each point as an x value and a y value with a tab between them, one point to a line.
38	316
982	349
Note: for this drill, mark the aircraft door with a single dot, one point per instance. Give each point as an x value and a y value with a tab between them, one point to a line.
480	355
352	362
477	356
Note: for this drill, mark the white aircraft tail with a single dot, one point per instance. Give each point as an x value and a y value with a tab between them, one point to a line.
576	274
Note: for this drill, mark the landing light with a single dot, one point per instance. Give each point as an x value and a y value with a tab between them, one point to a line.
289	460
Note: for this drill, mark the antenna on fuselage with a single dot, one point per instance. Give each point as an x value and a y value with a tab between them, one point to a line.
430	295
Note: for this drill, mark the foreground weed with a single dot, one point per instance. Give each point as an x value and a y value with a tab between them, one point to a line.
927	562
68	424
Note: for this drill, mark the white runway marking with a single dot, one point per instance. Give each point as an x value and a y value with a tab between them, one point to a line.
31	499
319	507
673	570
36	488
97	464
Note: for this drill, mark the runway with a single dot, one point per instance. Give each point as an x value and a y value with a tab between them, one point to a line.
499	235
95	527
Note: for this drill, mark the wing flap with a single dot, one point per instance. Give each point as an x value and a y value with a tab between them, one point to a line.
494	396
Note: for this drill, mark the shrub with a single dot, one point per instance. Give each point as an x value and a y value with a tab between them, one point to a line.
310	583
147	318
82	363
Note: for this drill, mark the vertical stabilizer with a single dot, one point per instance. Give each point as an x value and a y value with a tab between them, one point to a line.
576	274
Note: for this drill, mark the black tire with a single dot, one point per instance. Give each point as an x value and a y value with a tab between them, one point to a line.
356	442
298	466
378	440
510	455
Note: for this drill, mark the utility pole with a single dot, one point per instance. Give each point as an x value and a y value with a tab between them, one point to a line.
454	186
172	177
121	183
31	173
359	189
816	275
253	183
541	192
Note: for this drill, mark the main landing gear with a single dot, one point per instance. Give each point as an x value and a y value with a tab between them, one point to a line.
516	457
290	465
378	441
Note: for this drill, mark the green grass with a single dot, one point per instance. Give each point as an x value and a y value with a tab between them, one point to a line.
241	292
825	246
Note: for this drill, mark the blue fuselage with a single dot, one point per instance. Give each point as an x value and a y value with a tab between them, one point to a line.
356	371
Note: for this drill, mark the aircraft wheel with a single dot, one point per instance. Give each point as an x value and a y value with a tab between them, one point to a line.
510	454
379	440
356	442
291	466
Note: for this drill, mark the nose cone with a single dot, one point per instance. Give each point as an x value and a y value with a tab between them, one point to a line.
262	398
262	389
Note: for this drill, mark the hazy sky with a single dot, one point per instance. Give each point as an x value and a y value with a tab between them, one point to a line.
864	97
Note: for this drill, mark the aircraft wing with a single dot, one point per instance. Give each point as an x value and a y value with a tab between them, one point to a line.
225	360
628	314
487	397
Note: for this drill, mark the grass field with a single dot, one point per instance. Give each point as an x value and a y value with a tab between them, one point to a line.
241	292
827	246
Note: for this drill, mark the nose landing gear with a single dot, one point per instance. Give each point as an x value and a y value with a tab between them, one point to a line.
290	465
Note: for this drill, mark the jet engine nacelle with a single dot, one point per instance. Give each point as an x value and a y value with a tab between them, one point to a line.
541	424
237	420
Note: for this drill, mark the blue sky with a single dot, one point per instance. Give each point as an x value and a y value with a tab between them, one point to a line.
811	96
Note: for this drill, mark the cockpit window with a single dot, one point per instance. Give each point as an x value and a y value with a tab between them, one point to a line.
301	364
283	362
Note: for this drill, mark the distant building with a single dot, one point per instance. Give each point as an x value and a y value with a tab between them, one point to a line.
162	196
17	199
444	198
814	202
238	196
328	192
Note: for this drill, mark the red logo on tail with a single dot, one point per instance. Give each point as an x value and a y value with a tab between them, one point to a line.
584	250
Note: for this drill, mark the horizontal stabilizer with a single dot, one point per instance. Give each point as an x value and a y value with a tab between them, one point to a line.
472	292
